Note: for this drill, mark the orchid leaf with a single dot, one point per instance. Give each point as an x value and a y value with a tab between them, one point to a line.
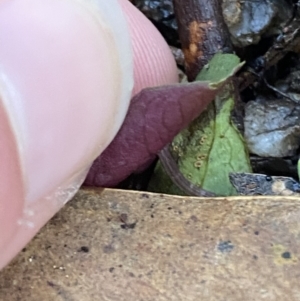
211	147
220	66
155	117
215	149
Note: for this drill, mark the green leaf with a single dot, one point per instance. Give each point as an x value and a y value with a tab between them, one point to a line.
220	67
211	147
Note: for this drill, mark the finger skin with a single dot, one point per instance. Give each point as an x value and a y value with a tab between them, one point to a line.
64	94
154	64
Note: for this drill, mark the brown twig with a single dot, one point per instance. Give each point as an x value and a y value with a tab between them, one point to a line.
202	32
172	170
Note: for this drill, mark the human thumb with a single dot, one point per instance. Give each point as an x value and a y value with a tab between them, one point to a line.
154	64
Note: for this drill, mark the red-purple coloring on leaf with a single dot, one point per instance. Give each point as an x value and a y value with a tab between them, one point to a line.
155	117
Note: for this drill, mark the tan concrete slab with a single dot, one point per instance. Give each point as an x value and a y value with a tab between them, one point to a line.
121	245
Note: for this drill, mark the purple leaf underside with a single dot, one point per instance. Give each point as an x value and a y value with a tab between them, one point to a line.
155	117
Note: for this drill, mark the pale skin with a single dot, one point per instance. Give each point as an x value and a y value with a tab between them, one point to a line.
153	66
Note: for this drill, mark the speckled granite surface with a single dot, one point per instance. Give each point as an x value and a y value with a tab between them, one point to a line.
119	245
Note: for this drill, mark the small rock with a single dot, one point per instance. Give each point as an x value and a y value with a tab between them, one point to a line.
248	20
272	128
